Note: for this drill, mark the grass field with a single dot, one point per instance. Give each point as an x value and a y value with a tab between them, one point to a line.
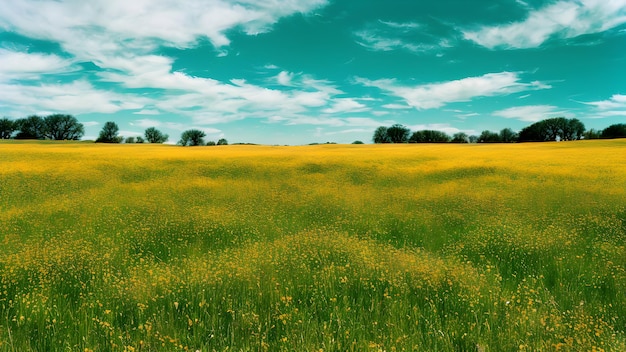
313	248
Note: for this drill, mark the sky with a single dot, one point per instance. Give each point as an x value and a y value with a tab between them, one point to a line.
313	71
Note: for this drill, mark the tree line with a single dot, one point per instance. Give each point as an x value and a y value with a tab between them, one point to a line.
67	127
193	137
55	127
553	129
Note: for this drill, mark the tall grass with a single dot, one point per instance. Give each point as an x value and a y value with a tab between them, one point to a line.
333	248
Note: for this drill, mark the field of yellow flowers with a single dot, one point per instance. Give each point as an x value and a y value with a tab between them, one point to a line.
313	248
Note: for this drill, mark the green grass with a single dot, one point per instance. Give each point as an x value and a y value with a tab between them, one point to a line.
334	248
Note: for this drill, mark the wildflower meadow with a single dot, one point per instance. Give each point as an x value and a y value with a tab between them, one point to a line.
400	247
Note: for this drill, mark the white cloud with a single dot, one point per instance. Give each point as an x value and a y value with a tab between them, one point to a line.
147	112
436	95
397	106
409	36
345	105
145	123
121	37
15	65
563	19
141	22
531	113
614	106
284	78
75	98
617	101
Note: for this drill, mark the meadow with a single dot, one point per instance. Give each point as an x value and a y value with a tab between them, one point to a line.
507	247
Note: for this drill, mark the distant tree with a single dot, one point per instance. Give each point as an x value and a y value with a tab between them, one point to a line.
192	138
140	140
398	133
380	135
108	134
155	136
473	139
429	136
32	127
489	137
508	136
129	140
558	128
615	131
572	130
63	127
222	141
7	127
211	143
357	142
592	134
460	137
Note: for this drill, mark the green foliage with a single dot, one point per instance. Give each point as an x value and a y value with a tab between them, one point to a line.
507	135
192	138
32	127
398	133
489	137
155	136
222	141
460	137
109	133
7	127
615	131
63	127
381	136
211	143
429	136
129	140
139	140
357	142
554	129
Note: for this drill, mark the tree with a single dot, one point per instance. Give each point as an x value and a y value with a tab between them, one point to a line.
398	133
7	127
222	141
507	135
32	127
592	134
489	137
473	139
108	134
615	131
558	128
155	136
357	142
574	130
129	140
460	137
429	136
139	140
63	127
380	135
192	138
211	143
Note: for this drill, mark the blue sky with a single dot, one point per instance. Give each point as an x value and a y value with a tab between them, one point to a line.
303	71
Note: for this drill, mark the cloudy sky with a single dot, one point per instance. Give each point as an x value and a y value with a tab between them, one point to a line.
302	71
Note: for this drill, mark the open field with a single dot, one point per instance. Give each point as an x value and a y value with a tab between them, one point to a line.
333	248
